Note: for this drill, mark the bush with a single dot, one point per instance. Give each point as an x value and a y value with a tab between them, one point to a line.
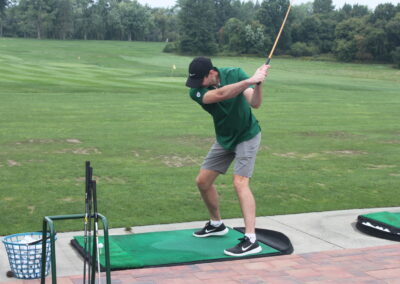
396	57
302	49
346	50
171	47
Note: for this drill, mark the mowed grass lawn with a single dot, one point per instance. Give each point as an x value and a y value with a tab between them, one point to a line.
331	135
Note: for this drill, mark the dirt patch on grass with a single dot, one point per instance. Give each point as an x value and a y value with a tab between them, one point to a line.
105	179
295	155
264	148
36	141
73	141
49	141
291	155
346	152
378	167
31	209
315	155
12	163
334	134
69	199
79	151
195	140
391	142
140	153
175	161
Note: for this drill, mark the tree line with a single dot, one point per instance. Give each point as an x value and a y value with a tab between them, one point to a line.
233	27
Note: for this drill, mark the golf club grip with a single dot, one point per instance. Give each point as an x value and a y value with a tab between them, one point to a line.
266	63
94	199
87	179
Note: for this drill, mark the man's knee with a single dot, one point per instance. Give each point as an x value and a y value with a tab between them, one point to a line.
240	183
202	182
205	179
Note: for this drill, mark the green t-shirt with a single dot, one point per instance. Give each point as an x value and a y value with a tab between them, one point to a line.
233	120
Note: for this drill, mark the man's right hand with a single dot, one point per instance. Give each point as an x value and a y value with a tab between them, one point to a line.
260	75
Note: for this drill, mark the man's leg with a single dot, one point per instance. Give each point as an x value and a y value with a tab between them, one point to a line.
245	158
248	244
205	183
247	202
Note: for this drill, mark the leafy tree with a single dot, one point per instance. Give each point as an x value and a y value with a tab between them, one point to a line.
271	15
134	17
392	29
346	44
359	10
326	35
232	36
349	11
396	57
301	11
3	5
255	39
322	6
238	37
302	49
299	14
165	23
375	42
197	27
383	13
224	11
115	28
83	12
245	10
160	19
39	14
346	50
64	19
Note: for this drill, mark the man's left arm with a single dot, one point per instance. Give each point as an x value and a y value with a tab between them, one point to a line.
254	96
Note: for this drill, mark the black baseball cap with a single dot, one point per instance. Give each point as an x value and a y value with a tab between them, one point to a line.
198	69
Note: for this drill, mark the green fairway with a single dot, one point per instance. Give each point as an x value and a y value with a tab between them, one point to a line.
331	135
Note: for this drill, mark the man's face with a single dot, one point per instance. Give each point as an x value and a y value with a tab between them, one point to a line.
210	80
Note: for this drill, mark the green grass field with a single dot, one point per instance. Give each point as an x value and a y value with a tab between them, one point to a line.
331	135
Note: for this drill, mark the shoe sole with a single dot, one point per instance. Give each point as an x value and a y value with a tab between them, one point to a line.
221	233
253	251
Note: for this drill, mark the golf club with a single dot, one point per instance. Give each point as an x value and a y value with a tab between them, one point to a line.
96	249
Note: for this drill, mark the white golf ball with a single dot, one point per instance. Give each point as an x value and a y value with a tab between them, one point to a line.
101	245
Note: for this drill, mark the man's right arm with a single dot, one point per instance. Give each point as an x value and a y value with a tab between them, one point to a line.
232	90
226	92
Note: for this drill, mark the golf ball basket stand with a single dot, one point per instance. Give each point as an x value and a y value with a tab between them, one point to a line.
92	255
25	258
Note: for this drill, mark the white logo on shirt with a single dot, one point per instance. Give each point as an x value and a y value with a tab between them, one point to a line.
198	95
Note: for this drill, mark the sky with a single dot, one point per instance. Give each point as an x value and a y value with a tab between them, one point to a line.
337	3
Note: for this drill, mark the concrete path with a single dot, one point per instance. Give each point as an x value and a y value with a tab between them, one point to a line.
327	249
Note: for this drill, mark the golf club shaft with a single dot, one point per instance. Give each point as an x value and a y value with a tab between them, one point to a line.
96	251
85	236
90	240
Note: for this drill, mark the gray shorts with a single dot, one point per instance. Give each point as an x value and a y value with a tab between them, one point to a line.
219	159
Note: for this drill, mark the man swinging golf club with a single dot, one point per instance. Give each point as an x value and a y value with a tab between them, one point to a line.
228	94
